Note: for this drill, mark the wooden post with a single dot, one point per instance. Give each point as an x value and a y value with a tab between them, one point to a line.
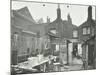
86	64
44	67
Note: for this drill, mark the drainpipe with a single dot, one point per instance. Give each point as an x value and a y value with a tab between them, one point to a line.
67	54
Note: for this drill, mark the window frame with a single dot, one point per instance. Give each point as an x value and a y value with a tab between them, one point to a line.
74	34
87	32
84	32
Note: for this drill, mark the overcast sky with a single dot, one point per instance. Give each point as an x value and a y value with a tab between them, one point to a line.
78	13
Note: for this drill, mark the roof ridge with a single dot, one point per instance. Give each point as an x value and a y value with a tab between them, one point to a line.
26	13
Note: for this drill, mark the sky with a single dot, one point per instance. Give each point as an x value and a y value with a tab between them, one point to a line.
78	13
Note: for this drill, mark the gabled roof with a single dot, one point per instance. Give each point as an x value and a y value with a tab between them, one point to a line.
22	19
25	13
93	22
67	28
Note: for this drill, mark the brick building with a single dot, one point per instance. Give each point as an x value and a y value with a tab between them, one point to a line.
87	37
26	35
62	32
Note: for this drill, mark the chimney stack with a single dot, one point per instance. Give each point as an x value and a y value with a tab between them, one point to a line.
48	19
69	19
58	12
89	12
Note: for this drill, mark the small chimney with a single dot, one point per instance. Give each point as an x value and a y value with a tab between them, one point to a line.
58	12
48	19
69	18
89	12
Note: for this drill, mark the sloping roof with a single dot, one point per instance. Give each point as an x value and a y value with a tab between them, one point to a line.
23	20
25	13
40	21
53	35
67	28
93	22
65	22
